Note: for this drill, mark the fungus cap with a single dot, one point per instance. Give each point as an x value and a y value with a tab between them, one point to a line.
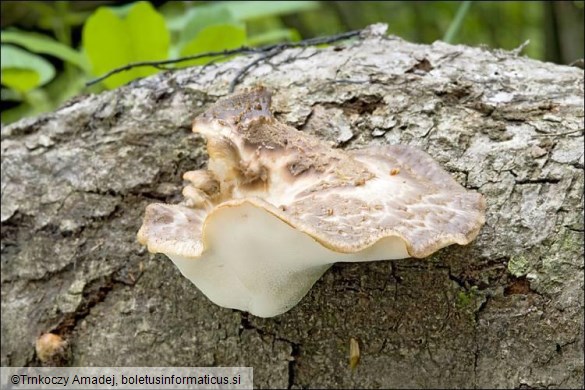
276	207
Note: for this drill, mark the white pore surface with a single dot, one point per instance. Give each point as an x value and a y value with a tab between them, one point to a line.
257	263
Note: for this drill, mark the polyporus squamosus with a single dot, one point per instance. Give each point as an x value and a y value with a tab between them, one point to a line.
276	207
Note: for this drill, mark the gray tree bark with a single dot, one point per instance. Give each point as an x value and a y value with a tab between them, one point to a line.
504	311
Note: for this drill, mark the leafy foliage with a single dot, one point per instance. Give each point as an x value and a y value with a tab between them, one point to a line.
111	41
39	43
23	71
116	36
214	38
40	71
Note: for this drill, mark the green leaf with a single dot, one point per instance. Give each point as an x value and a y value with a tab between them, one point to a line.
245	10
24	71
21	79
457	22
111	42
214	38
10	94
179	18
39	43
175	14
122	10
203	17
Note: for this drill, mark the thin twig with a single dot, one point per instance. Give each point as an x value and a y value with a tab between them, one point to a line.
269	49
140	64
245	69
162	67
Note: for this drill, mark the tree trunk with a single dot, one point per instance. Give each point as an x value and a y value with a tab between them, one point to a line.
504	311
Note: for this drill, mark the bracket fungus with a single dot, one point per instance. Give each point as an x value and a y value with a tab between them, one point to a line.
276	207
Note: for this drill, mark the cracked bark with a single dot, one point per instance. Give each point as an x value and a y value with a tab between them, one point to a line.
505	311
